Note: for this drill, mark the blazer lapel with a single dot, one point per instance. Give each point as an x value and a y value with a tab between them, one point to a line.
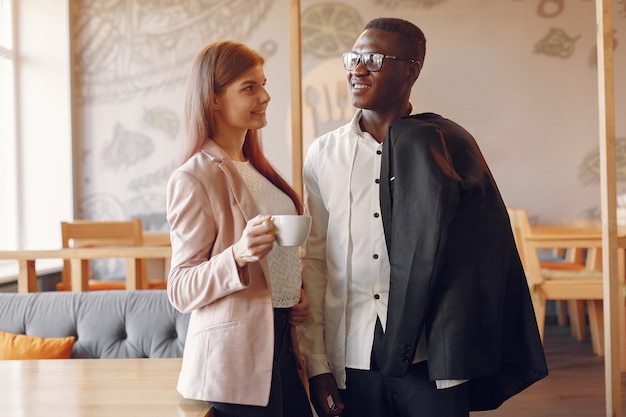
386	189
242	195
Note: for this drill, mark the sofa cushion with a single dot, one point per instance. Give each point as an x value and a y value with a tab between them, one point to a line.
21	346
106	324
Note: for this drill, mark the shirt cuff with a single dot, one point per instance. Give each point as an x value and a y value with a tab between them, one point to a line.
317	365
449	383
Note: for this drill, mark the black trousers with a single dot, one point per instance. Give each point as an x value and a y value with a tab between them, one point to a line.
370	394
288	398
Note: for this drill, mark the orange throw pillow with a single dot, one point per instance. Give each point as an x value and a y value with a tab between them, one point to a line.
21	346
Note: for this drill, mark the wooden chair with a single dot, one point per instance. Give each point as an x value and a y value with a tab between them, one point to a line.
560	284
88	233
570	312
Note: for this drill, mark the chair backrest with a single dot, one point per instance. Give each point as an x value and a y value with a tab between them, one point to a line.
533	267
520	224
90	233
517	233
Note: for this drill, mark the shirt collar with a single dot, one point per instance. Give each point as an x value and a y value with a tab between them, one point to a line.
355	125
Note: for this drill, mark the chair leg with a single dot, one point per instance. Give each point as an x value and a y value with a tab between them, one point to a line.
596	326
539	304
578	322
562	313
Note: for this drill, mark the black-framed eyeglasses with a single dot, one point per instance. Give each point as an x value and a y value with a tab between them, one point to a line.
372	61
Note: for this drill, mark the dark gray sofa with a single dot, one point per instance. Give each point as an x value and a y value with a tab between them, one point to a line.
107	324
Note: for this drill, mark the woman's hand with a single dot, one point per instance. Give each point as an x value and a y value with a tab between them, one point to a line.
300	312
256	241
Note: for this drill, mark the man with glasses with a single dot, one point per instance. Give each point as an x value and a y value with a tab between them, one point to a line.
419	303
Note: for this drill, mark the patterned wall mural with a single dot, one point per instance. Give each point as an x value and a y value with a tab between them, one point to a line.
130	60
127	47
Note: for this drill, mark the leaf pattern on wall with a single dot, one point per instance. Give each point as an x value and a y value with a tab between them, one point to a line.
164	119
590	167
101	207
126	148
557	43
156	177
593	55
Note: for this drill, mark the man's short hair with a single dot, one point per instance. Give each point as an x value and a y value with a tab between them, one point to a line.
413	37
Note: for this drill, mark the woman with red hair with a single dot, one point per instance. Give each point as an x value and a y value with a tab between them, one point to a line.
243	291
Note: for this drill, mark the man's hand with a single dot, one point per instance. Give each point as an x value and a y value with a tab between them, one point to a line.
325	396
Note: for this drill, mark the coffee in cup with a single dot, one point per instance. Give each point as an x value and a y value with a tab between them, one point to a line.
291	229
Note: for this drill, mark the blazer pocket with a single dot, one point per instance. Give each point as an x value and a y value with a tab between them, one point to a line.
217	327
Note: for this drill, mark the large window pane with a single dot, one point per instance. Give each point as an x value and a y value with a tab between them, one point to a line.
35	134
6	27
8	189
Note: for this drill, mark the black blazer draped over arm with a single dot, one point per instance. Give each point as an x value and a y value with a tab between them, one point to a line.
455	269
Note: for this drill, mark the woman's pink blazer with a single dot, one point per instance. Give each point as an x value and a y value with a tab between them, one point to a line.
229	347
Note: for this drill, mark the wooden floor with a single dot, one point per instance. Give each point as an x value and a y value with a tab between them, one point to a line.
574	388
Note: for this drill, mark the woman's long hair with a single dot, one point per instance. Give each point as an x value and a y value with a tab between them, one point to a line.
216	66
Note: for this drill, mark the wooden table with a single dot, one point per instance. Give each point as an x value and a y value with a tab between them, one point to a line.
27	276
94	388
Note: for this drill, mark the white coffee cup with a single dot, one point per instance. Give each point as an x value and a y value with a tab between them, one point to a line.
291	229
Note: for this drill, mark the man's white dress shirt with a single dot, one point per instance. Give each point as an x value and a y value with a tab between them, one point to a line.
346	266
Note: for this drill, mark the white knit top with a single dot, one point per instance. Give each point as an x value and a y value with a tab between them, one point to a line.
284	262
